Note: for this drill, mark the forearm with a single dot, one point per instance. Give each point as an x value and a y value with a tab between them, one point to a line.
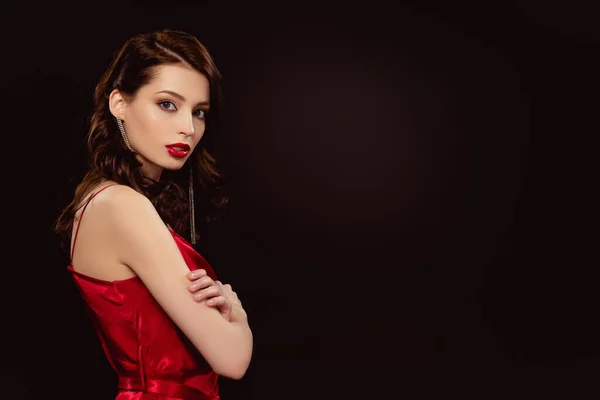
239	321
228	350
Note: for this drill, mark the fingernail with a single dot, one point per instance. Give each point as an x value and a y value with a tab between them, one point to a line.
193	286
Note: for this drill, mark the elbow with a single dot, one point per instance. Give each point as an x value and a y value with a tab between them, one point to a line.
238	375
236	368
232	358
235	372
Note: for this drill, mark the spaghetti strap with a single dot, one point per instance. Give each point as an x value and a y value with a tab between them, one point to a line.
81	217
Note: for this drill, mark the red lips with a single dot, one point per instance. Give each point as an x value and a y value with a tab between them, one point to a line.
180	146
179	150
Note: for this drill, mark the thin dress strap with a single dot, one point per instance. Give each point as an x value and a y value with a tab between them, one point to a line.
81	217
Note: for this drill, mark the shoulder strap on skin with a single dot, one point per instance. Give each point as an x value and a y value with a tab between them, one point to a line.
81	216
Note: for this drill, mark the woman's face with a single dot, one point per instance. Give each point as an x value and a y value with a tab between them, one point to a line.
166	119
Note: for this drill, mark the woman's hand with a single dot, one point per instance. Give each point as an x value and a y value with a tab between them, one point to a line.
238	314
203	288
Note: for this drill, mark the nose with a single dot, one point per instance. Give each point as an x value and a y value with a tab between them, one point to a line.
186	125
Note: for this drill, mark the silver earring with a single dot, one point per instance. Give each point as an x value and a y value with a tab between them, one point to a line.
123	134
191	199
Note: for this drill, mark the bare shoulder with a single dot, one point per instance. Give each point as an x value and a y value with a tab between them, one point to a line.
121	203
122	214
133	227
119	196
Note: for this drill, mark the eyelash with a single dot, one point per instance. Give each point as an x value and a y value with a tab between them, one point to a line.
170	102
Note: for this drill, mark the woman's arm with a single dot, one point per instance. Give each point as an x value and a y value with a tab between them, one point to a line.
143	242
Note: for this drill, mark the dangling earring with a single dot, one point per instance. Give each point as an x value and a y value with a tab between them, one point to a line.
123	134
191	199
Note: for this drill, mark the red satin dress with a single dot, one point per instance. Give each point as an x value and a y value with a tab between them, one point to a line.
153	359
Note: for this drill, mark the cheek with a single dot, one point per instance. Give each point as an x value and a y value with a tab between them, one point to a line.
147	119
155	115
154	122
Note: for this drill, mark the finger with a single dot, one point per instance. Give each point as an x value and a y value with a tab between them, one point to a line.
220	302
201	283
207	293
192	275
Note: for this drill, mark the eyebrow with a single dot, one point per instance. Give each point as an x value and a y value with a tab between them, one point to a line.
180	97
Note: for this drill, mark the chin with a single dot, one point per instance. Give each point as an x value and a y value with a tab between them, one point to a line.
175	165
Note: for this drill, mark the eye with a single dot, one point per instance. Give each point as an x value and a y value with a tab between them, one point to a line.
200	113
166	105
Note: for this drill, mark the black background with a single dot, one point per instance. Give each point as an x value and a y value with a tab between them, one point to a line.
413	204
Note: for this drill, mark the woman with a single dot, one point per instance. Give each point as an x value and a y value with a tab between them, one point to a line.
167	326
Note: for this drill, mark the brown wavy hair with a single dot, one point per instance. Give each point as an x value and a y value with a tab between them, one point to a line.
133	66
